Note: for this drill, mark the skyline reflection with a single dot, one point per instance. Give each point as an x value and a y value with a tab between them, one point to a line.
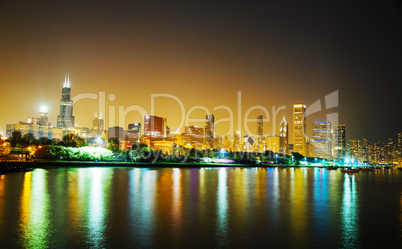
217	207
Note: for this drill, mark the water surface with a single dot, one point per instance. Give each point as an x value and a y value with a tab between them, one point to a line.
200	208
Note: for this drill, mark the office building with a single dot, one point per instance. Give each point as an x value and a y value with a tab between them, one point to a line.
66	119
339	143
299	129
209	130
283	137
354	149
322	139
155	127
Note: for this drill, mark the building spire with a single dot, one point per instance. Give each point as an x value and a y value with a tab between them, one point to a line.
68	80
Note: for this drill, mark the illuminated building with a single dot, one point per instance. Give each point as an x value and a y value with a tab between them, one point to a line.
339	142
43	116
283	137
309	149
133	133
322	139
209	130
98	125
236	142
164	146
365	150
155	127
400	141
272	143
299	129
290	148
390	149
193	135
354	149
260	129
66	118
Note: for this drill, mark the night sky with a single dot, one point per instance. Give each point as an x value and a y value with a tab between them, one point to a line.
204	52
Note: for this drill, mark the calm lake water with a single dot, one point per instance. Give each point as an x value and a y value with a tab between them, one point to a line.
200	208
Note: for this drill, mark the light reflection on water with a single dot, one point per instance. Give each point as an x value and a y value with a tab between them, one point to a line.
35	216
210	208
222	202
349	213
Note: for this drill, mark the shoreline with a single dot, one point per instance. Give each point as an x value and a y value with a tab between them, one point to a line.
45	164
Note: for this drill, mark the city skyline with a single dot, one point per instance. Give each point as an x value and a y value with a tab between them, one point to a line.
272	58
259	121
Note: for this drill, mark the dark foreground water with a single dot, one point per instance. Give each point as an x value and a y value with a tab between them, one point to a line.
200	208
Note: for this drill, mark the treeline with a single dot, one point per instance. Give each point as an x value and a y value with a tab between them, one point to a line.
17	140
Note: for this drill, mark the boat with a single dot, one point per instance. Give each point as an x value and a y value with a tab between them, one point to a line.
350	170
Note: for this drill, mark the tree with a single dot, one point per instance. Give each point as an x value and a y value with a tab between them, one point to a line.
44	141
69	140
16	139
28	140
114	145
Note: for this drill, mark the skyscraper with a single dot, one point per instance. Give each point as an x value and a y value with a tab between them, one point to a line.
283	137
339	141
209	130
98	125
299	128
43	116
155	127
365	151
354	149
322	139
260	129
66	118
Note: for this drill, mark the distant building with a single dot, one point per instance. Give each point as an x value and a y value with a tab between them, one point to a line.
66	119
354	149
98	125
237	142
339	142
299	128
43	116
116	132
400	141
133	133
283	137
272	143
260	129
193	135
322	139
209	130
309	149
365	150
155	127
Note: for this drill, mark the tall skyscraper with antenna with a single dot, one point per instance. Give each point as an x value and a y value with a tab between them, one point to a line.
66	119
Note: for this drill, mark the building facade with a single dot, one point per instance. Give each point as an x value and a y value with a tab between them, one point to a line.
299	129
284	137
209	130
322	139
66	119
339	148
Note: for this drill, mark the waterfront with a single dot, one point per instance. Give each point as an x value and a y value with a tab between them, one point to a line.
200	207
